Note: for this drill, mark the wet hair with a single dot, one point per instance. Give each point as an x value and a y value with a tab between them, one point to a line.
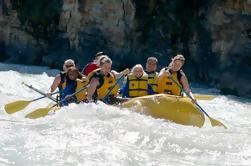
104	59
75	71
177	57
152	58
69	60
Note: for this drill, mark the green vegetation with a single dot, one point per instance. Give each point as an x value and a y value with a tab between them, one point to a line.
40	18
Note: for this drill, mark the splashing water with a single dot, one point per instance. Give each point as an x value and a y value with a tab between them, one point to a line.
99	134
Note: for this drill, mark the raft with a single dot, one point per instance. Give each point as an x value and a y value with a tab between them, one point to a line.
173	108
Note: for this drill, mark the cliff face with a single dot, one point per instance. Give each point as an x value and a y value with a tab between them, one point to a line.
91	26
229	26
215	36
73	29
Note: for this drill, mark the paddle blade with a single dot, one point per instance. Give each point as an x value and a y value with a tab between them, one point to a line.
204	97
215	122
16	106
38	113
41	112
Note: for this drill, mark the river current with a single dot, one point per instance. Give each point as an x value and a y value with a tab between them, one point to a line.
99	134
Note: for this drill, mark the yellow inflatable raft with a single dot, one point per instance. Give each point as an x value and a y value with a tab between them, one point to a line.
174	108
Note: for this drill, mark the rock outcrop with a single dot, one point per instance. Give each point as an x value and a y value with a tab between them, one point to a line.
215	36
229	26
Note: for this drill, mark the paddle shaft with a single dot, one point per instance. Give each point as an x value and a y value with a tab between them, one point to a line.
44	111
200	108
108	93
214	122
42	93
60	102
43	97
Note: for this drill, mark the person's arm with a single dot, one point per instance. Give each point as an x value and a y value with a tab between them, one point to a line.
118	75
92	88
55	84
163	72
186	87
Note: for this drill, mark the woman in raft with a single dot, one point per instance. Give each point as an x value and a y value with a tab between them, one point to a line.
68	81
168	86
137	83
102	80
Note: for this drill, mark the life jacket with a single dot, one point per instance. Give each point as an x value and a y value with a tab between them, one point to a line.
68	87
105	84
109	81
165	85
89	68
83	94
137	86
153	81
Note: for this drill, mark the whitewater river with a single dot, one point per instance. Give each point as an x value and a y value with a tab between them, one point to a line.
90	134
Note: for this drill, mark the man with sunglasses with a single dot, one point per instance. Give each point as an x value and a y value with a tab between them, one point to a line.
68	82
69	63
93	65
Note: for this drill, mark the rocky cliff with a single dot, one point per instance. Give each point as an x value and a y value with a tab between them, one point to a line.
229	26
214	35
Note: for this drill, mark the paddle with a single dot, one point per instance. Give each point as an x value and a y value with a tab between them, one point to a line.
42	93
44	111
16	106
110	90
214	122
204	97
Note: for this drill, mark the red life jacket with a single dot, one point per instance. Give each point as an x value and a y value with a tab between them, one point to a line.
89	68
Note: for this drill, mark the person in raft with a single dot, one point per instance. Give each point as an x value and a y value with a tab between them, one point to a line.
151	67
68	81
102	80
137	83
166	85
66	66
93	65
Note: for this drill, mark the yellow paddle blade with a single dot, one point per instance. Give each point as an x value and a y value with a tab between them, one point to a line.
41	112
215	122
16	106
204	97
38	113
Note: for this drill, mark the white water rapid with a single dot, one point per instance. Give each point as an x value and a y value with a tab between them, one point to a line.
90	134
